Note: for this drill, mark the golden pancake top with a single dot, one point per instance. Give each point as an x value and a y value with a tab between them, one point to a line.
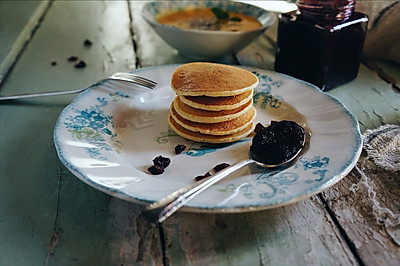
211	79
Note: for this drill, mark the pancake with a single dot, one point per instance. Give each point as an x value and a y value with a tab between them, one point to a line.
217	103
211	79
199	137
214	102
204	116
223	128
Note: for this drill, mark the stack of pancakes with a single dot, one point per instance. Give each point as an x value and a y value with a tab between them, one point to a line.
214	102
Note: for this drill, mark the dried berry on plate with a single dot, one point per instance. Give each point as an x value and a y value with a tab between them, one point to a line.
72	58
160	163
179	148
216	168
87	43
200	177
80	64
220	167
156	169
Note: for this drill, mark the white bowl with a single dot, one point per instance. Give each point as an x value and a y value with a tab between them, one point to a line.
206	44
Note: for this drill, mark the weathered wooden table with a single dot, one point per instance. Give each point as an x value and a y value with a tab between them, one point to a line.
48	216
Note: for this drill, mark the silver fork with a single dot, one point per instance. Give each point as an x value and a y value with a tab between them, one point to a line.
128	77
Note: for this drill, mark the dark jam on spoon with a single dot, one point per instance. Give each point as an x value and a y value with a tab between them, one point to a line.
277	143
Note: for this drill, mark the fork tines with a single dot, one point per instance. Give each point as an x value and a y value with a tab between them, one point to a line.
139	79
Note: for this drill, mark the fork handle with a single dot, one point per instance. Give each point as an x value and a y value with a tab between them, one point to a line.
39	94
159	211
44	94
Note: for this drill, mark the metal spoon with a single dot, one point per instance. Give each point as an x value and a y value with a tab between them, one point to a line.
159	211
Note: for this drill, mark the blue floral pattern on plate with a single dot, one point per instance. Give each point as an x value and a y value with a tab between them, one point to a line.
109	135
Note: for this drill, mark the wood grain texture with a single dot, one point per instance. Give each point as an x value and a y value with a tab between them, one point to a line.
62	34
18	14
18	22
366	203
371	99
299	234
387	71
49	216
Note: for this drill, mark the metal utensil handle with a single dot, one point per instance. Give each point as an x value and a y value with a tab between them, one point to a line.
164	208
40	94
127	77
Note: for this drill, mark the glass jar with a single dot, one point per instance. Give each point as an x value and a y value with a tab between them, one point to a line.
322	42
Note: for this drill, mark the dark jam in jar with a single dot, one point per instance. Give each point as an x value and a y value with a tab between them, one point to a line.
322	43
277	143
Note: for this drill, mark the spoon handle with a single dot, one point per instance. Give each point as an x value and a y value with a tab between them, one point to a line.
159	211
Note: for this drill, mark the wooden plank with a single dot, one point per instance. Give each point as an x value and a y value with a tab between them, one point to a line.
366	202
16	13
387	70
371	99
111	50
367	205
299	234
18	20
47	215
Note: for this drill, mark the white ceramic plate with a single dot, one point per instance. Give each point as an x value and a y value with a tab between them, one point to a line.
109	135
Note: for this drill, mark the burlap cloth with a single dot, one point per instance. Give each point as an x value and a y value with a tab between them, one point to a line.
383	35
383	146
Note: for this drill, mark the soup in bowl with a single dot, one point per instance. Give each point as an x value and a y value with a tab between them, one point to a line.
207	29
